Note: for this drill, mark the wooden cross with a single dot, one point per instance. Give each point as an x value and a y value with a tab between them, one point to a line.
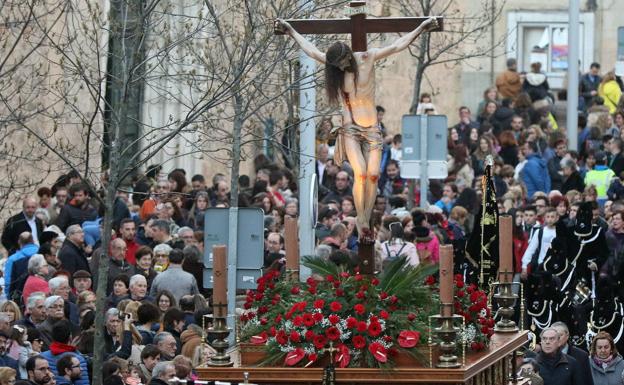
357	25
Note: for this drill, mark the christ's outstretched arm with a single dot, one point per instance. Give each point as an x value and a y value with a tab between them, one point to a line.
404	41
307	47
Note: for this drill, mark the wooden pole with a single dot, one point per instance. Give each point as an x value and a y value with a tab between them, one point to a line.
505	248
219	281
291	245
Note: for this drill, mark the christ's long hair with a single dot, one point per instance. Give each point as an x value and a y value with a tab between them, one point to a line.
334	76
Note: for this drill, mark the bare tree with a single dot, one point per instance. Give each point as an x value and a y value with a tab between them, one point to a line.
467	35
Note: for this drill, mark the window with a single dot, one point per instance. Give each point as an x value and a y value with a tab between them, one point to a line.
546	44
620	40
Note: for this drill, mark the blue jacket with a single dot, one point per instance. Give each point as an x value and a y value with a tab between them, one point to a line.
6	361
535	175
52	359
25	252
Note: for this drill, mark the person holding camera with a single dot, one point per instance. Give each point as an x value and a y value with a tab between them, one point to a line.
118	334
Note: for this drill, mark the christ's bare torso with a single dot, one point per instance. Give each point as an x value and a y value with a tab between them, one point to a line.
362	94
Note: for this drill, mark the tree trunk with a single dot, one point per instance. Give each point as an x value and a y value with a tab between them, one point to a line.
236	147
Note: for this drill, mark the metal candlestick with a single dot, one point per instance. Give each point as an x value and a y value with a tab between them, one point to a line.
292	275
447	332
505	298
220	343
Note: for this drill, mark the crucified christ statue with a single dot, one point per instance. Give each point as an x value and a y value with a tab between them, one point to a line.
350	82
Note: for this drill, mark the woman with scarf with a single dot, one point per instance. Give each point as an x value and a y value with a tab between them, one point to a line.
606	364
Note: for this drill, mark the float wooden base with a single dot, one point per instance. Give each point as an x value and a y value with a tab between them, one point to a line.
489	367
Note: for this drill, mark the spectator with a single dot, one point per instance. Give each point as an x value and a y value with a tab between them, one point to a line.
605	361
556	368
117	263
60	345
35	311
397	247
163	373
7	376
174	279
55	312
38	370
20	223
72	254
127	231
589	85
509	148
341	188
118	334
274	249
509	83
610	91
78	210
466	124
616	160
5	360
150	356
174	324
167	345
449	195
198	210
121	290
535	83
138	289
554	165
539	243
572	177
534	173
165	300
37	275
144	264
600	177
579	355
27	248
148	315
69	370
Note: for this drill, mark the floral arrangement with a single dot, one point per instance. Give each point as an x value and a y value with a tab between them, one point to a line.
471	303
366	321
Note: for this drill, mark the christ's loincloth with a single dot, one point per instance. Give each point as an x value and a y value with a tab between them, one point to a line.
369	138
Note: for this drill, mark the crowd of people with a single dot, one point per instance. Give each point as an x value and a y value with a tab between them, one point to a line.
155	295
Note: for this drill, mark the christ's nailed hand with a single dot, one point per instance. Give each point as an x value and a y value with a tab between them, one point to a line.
431	23
282	26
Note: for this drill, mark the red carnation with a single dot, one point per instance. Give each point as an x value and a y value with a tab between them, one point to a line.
360	295
263	321
336	284
319	303
430	280
281	337
278	318
374	282
333	319
335	306
293	357
311	281
384	314
394	299
308	320
247	306
359	342
259	296
378	351
243	317
309	335
330	278
318	317
298	320
387	338
374	329
359	277
294	337
312	357
312	289
411	316
332	333
339	292
408	338
272	331
263	309
295	290
461	293
344	274
383	295
361	326
319	341
359	308
351	322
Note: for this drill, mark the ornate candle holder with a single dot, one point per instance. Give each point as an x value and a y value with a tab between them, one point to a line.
505	298
292	275
220	332
447	332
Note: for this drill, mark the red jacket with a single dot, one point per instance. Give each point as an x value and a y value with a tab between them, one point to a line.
519	247
132	247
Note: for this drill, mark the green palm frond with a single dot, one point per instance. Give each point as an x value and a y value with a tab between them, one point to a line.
321	266
391	272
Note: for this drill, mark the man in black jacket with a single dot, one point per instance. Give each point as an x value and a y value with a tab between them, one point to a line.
557	368
589	85
26	221
72	255
78	210
579	355
572	179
